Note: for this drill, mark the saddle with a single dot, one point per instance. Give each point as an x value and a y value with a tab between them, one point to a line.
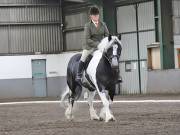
86	81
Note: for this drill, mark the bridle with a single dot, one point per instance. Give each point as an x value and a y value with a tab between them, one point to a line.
109	59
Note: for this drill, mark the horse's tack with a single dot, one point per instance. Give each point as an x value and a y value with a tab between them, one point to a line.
101	73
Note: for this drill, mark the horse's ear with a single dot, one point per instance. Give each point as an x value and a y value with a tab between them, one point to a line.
119	36
109	37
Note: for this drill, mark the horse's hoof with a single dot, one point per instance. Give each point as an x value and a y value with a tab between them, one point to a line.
101	119
111	119
70	118
95	118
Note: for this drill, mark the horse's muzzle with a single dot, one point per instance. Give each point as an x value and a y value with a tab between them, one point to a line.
114	63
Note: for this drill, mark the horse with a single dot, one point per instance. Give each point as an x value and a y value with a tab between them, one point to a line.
101	75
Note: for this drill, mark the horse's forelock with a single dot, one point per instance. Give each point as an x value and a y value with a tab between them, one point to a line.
105	44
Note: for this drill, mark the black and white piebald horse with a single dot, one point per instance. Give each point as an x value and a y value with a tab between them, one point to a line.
100	76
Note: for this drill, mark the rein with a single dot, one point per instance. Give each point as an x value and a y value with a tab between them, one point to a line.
104	54
107	58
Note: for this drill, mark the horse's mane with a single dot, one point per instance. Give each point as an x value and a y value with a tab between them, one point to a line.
105	43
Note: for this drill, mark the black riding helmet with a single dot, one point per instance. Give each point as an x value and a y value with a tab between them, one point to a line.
94	10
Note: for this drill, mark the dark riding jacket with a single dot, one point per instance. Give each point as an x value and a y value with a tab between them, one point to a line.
93	35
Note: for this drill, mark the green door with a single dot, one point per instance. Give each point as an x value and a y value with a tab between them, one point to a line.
39	77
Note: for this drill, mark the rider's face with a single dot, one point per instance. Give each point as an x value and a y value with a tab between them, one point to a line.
95	17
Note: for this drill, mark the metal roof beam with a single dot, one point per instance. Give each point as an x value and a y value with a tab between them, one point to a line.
78	1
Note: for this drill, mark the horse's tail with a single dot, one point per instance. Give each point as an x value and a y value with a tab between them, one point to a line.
65	95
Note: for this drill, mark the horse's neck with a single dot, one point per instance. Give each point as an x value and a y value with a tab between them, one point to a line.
97	55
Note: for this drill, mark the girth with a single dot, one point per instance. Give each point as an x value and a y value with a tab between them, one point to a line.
87	83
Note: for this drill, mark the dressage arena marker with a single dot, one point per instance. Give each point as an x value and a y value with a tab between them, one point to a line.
120	101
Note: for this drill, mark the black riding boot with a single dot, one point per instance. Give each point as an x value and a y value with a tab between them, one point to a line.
80	72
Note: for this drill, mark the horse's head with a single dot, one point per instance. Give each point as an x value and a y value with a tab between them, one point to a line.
112	50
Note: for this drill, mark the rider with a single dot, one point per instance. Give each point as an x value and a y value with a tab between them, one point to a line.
94	32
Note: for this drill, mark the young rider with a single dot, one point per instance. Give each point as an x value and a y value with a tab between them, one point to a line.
94	31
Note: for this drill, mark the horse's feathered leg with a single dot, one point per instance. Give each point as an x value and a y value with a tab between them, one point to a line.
75	94
64	96
105	111
92	111
69	111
